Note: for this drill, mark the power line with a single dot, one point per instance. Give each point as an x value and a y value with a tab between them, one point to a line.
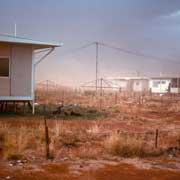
126	51
137	53
75	50
97	57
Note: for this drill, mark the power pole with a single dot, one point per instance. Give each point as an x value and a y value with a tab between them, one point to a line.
15	30
47	91
101	92
97	64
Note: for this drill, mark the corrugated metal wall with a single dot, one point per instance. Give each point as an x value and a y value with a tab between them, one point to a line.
21	69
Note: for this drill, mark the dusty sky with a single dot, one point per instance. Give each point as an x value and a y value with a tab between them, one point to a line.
147	26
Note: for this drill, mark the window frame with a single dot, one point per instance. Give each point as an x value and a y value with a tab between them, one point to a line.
6	57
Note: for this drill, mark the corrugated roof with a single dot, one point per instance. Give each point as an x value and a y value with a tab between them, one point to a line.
128	78
143	78
22	40
166	76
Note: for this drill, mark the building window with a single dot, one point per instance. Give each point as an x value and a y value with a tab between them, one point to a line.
4	67
156	84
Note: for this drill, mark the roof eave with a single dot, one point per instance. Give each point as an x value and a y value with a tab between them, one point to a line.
20	40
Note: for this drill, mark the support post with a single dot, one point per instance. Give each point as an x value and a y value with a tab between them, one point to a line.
33	107
47	92
24	107
33	82
156	138
6	107
14	103
116	98
46	138
34	64
101	93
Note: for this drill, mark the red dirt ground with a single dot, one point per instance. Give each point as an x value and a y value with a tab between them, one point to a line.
62	172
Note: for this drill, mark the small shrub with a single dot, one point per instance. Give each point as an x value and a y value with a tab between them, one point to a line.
15	157
92	111
126	151
75	113
69	140
89	93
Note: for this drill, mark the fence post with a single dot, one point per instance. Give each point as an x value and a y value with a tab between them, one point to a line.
116	98
156	138
178	141
46	138
139	96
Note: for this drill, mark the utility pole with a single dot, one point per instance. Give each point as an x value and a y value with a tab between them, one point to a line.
47	91
15	30
101	92
97	64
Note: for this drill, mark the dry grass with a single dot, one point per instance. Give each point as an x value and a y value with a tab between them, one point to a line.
129	146
83	139
23	137
19	140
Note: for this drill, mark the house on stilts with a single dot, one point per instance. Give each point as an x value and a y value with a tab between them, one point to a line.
17	67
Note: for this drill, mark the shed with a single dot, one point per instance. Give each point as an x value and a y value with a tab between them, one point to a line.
132	84
168	84
17	67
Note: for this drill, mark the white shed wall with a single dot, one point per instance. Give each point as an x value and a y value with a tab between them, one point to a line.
162	87
21	70
140	85
123	84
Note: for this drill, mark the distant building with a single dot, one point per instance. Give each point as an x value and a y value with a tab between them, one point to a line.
159	85
164	84
131	84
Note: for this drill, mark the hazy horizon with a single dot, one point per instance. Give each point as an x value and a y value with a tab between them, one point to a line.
150	27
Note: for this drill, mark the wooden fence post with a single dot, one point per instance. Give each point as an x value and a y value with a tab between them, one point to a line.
116	98
139	99
46	138
156	138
